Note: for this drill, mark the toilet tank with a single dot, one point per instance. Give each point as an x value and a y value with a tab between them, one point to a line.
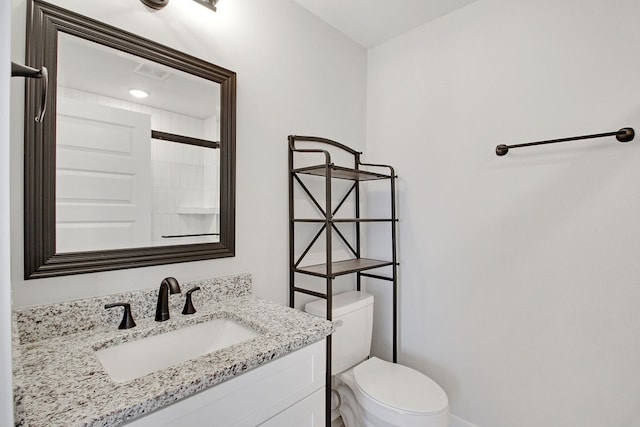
351	341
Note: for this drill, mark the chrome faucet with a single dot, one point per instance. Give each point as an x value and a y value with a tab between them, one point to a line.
168	286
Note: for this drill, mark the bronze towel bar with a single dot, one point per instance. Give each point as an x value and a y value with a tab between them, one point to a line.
622	135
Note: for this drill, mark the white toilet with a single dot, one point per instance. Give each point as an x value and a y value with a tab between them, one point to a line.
373	392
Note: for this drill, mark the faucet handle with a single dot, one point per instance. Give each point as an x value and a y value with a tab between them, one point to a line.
188	305
127	318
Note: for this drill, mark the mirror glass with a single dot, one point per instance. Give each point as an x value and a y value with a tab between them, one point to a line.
133	170
117	181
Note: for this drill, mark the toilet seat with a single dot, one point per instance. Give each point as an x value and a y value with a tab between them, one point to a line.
388	390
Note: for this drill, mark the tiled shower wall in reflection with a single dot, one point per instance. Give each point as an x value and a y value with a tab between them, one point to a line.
185	181
184	189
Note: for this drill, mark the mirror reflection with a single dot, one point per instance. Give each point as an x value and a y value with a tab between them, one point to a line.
133	169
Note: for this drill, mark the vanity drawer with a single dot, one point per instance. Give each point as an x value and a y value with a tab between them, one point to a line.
253	397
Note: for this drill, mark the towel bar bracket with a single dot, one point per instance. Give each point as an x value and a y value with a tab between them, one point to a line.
19	70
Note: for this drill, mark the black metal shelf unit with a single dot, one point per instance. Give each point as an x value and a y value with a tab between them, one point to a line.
358	265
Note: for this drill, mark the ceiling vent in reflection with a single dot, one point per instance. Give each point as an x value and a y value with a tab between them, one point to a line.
152	72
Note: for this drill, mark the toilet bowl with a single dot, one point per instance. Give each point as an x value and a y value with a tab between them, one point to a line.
373	392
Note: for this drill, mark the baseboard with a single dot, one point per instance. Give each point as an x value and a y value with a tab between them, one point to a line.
455	422
459	422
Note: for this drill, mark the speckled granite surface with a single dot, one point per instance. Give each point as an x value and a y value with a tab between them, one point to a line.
60	382
52	320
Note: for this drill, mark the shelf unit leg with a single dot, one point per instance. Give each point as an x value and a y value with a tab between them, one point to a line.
394	257
328	385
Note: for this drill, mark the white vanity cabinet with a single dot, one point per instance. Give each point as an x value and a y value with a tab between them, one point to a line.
288	391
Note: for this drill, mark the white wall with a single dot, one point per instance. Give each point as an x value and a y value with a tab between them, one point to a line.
6	399
519	274
296	75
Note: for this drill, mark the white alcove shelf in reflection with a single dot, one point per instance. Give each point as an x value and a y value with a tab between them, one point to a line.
192	210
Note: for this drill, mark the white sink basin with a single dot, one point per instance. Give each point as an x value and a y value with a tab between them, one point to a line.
135	359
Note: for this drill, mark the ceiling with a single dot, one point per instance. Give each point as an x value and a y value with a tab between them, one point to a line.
371	22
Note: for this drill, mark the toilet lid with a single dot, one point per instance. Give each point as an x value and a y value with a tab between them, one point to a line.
400	387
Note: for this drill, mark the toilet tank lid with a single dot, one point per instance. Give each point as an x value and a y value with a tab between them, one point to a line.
342	304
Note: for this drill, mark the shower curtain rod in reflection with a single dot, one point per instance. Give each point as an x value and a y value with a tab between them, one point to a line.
622	135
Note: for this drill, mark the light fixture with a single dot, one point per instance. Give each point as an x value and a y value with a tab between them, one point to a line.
138	93
159	4
211	4
155	4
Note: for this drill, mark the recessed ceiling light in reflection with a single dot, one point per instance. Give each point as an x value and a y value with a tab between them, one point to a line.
137	93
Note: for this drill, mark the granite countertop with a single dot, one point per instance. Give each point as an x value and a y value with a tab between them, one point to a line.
60	382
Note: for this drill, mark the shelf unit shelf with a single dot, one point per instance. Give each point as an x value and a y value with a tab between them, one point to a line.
359	265
339	268
340	172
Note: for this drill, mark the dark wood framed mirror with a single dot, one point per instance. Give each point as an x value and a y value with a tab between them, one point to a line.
99	195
